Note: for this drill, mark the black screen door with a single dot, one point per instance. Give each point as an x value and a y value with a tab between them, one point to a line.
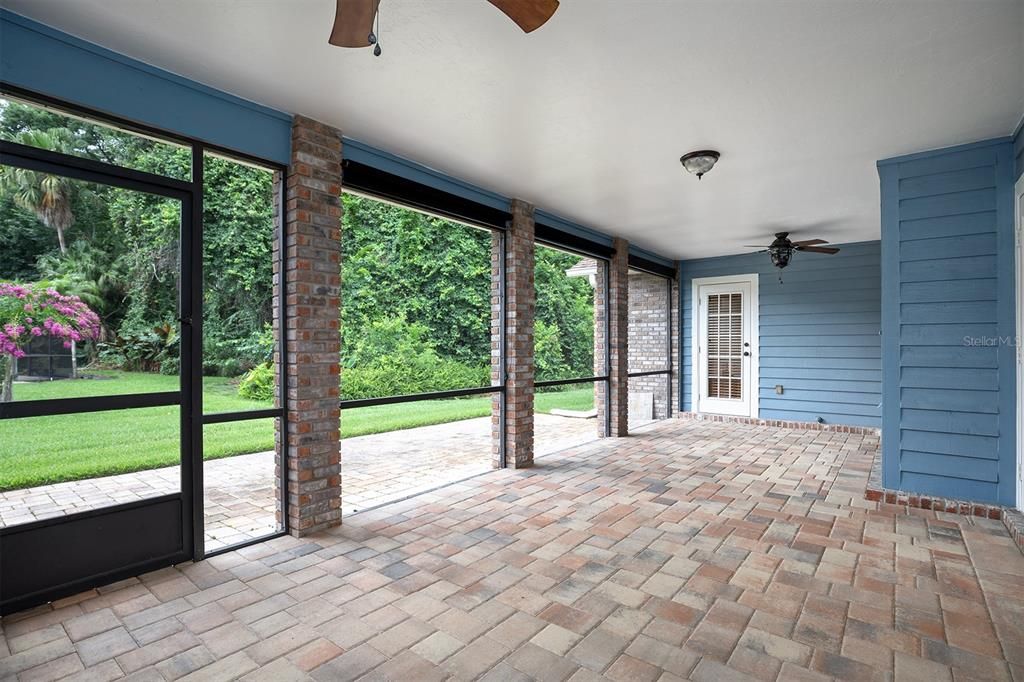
97	463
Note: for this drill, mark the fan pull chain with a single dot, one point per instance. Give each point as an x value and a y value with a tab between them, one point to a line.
372	38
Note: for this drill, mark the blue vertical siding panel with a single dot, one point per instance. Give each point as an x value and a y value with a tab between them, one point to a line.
948	425
47	61
1007	311
819	333
891	356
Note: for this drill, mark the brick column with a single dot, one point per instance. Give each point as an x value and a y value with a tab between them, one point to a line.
520	299
615	398
312	310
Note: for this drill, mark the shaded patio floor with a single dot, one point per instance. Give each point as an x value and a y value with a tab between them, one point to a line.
240	491
691	550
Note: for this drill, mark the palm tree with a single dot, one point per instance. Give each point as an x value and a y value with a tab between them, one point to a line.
47	196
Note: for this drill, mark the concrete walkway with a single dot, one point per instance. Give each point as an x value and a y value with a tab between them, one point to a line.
240	491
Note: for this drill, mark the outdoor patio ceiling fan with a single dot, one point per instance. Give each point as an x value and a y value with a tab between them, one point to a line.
354	19
781	250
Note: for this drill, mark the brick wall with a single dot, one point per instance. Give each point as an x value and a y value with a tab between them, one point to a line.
312	307
648	337
520	301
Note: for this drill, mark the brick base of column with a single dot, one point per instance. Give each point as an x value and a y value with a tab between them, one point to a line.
520	300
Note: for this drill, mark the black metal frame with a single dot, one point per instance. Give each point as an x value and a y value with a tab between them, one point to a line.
554	238
189	395
637	263
385	187
418	397
281	410
569	382
651	267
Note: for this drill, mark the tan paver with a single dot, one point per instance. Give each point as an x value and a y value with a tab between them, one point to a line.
689	551
240	498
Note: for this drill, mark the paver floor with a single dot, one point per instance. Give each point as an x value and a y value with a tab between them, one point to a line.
691	550
240	491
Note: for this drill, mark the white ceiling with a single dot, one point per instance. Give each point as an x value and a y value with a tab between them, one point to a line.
587	116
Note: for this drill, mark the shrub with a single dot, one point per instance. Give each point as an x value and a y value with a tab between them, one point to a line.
386	378
170	367
391	357
258	383
143	351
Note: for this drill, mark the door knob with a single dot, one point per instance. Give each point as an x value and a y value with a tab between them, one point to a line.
746	352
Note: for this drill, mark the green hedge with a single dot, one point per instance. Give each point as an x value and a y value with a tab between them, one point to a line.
384	378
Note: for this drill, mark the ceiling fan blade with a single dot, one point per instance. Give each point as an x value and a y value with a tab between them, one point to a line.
810	242
529	15
818	249
353	23
753	246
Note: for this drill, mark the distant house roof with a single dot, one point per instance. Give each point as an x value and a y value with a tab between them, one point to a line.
584	268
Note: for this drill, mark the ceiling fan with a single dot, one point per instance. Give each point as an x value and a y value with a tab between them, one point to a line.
353	19
781	250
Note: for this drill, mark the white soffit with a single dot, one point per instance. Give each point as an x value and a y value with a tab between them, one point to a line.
587	116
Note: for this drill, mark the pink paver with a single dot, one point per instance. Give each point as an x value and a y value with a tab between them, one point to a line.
240	491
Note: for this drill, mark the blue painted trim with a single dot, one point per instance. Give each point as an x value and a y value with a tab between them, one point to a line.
1007	326
889	175
47	61
943	151
354	150
651	256
572	228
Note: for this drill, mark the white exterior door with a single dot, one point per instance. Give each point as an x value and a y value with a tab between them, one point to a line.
726	339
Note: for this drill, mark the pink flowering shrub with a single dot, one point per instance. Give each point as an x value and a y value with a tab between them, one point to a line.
33	310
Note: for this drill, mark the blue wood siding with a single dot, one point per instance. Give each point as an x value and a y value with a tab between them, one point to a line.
948	425
819	333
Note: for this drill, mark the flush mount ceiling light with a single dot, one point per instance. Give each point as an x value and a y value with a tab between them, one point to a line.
700	162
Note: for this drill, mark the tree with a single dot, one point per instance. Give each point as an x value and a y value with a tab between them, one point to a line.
33	310
47	196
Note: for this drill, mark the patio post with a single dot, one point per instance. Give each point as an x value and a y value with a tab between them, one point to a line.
312	303
611	326
520	300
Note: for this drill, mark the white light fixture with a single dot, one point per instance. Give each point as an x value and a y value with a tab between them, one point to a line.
700	162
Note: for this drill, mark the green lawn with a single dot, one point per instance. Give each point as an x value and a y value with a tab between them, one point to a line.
39	450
